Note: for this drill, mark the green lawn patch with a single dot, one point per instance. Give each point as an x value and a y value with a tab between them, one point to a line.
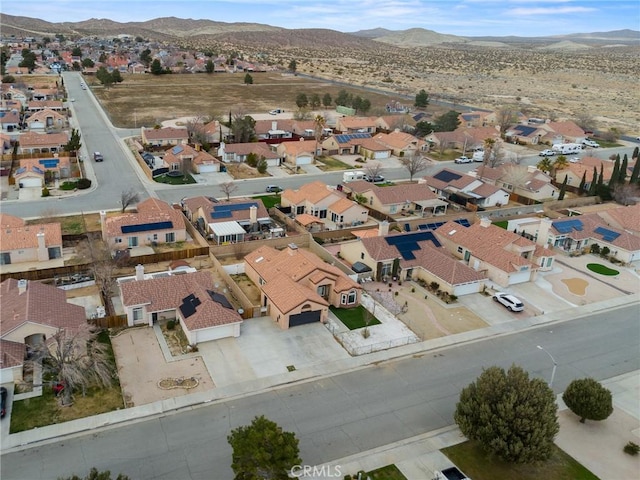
329	163
477	464
269	201
184	180
68	185
390	472
501	224
602	269
443	157
354	318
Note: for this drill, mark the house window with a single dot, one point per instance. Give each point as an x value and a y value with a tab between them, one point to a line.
155	236
549	260
133	242
393	209
170	237
300	210
137	315
175	167
118	240
386	269
361	255
343	299
323	213
459	249
351	298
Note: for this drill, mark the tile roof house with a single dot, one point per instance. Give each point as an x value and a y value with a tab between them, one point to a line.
473	119
579	232
526	184
11	361
624	218
33	142
270	129
356	124
192	298
463	137
35	168
397	199
186	158
21	243
575	171
401	143
416	255
389	123
297	287
159	137
347	143
38	105
328	205
153	222
227	221
298	153
529	134
10	121
466	190
562	132
33	312
506	257
238	152
46	120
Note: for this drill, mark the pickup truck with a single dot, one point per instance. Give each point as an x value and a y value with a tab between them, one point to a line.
546	153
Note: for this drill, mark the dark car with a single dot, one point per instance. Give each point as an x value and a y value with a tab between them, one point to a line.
374	179
97	156
3	398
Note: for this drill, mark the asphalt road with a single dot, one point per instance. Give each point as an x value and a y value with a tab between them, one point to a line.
341	415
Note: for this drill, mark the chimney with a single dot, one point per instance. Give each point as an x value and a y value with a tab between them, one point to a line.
292	248
43	254
253	214
139	272
22	286
274	125
485	222
543	231
383	228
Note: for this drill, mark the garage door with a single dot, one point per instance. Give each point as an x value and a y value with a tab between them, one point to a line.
304	318
28	182
208	169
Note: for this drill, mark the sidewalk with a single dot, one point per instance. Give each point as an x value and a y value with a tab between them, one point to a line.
596	445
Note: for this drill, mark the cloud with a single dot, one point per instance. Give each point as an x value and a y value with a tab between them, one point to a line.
525	12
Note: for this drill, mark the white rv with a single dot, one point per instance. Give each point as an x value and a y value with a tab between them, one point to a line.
353	176
566	148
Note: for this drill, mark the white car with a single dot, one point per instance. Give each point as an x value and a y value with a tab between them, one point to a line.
574	160
512	303
546	153
590	143
463	159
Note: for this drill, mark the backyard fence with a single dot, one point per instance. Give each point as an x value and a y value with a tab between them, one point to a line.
111	321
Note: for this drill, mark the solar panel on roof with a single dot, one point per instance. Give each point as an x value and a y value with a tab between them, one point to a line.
221	214
423	227
463	221
525	130
146	227
38	170
177	149
607	235
566	226
447	176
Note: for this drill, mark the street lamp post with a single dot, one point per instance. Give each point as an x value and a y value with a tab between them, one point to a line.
553	372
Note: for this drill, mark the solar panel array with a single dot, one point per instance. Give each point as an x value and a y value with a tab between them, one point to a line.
226	211
146	227
345	137
567	226
189	304
432	226
607	235
525	130
408	243
447	176
177	149
38	170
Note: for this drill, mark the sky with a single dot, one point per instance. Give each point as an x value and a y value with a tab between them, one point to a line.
527	18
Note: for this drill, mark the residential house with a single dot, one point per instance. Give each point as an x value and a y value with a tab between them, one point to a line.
12	361
298	153
274	129
46	120
473	119
10	121
575	171
297	287
505	257
324	203
412	256
20	243
373	149
9	92
624	218
463	138
154	222
33	142
402	144
347	143
186	158
562	132
32	312
31	172
38	105
389	123
529	134
526	184
191	298
229	221
356	125
238	152
466	190
405	199
578	233
165	136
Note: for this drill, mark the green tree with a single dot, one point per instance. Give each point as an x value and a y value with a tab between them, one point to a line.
559	164
588	399
327	100
76	52
209	66
28	60
563	188
622	175
422	99
447	122
116	76
248	79
87	62
293	66
145	57
583	182
263	450
74	143
344	98
365	106
156	67
635	173
510	415
301	100
104	76
103	57
252	160
601	175
262	165
8	79
636	152
423	129
616	172
315	101
544	165
94	474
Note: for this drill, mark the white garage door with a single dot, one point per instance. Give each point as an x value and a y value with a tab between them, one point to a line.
215	333
31	182
467	289
208	168
520	277
304	160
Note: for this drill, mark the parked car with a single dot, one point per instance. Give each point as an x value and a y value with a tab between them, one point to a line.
275	111
512	303
547	153
574	160
97	156
273	189
3	402
590	143
462	159
374	179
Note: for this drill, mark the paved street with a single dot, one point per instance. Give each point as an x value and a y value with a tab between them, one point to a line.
337	416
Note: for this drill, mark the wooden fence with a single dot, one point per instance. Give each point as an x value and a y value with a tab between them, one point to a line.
112	321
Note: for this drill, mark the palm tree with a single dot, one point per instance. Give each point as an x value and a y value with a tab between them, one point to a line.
318	127
544	165
560	164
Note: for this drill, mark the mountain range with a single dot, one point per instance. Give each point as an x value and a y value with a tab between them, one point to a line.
178	29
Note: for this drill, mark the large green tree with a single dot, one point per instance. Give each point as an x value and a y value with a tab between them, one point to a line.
74	143
156	67
588	399
447	122
510	415
263	450
422	99
563	188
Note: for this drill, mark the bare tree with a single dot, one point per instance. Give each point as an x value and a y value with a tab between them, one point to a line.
515	175
505	117
374	169
77	361
228	188
626	193
497	154
103	267
585	121
128	197
195	129
414	163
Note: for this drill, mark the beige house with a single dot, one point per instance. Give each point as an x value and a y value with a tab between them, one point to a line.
402	144
186	158
302	152
356	124
525	184
22	243
153	222
323	202
412	198
238	152
297	287
160	137
46	120
350	144
465	190
33	142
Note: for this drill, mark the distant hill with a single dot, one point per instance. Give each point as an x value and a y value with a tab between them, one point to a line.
418	37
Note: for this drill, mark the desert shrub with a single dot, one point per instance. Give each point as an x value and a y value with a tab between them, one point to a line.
171	324
434	286
83	183
632	448
45	192
68	185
